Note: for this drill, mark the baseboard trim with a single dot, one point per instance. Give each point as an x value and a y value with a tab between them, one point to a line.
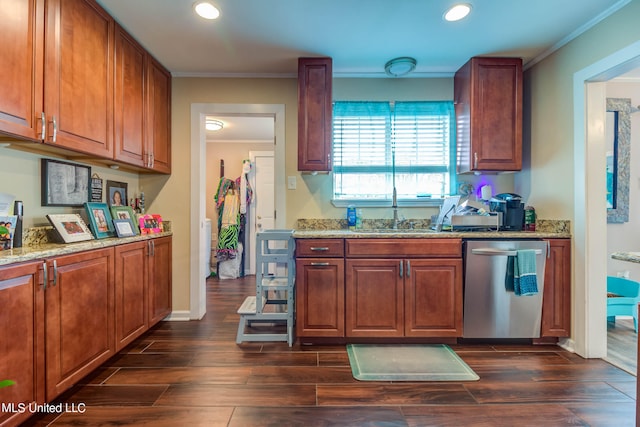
178	316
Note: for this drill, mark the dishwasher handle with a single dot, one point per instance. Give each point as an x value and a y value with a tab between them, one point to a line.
499	252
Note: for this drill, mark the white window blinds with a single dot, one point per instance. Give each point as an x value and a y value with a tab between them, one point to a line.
378	143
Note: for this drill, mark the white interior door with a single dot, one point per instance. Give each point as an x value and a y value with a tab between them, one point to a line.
263	207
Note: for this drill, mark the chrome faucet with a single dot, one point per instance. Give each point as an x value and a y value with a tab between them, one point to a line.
394	205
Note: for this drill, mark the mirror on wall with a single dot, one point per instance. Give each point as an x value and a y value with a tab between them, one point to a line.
618	135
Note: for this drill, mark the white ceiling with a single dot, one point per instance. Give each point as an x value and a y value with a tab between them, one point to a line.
243	129
264	38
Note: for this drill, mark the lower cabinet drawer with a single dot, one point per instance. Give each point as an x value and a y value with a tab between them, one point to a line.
319	248
400	248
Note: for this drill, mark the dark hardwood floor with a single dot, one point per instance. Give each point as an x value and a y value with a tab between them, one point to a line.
622	344
193	373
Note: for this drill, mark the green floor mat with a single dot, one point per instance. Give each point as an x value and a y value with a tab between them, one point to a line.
407	362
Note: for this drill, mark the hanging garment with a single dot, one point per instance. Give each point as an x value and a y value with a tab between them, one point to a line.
229	227
246	167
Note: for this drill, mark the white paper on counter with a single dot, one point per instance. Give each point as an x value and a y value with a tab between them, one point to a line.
6	204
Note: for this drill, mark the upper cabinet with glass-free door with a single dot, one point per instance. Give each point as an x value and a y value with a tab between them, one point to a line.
488	103
59	73
61	59
314	114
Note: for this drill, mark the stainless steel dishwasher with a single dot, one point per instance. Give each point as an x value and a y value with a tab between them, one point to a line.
490	310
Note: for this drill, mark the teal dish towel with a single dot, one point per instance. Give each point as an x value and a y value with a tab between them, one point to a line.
525	281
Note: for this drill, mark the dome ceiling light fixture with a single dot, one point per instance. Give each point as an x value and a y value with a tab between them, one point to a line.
399	67
206	9
457	12
213	125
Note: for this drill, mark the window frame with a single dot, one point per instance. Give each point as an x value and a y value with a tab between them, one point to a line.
404	202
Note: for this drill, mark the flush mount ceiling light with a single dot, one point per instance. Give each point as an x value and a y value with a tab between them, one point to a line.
457	12
400	66
212	124
206	10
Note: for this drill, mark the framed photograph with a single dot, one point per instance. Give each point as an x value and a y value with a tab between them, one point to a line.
150	223
99	219
116	193
123	228
125	213
70	227
64	183
7	229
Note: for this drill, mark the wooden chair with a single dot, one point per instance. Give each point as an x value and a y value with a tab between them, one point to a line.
623	296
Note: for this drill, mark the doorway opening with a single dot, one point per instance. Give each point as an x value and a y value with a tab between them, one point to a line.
590	235
198	244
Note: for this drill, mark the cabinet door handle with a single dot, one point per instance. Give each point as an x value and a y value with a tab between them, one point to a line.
152	246
55	129
45	275
55	273
152	160
408	268
475	160
401	267
43	126
319	249
319	264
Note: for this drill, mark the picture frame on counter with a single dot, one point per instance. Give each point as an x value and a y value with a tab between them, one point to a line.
123	228
100	220
150	223
117	193
119	213
70	227
7	230
64	183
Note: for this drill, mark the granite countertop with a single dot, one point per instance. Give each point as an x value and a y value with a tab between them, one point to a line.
380	229
425	234
627	256
46	249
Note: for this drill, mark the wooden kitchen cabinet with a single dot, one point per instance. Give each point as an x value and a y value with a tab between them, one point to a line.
79	306
77	82
130	100
320	288
142	113
58	73
374	303
315	113
159	294
78	76
488	105
433	298
556	305
403	287
22	338
22	41
158	145
131	278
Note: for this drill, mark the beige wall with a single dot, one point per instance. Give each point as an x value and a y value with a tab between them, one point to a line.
20	176
548	179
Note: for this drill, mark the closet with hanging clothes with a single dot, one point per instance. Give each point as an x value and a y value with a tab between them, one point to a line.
232	199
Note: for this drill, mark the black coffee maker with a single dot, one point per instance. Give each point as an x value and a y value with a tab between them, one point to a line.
512	208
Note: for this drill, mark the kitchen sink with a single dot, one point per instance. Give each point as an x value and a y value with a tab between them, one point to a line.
392	231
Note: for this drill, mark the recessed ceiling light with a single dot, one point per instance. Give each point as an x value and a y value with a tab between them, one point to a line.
212	124
206	10
457	12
